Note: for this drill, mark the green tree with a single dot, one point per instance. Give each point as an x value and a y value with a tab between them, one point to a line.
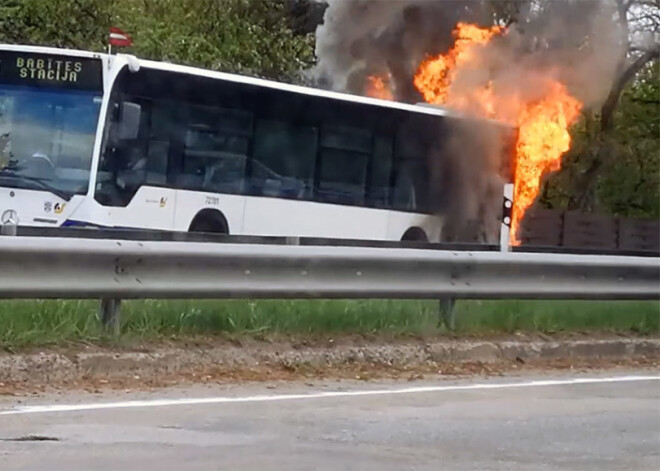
634	18
59	23
613	162
245	36
628	183
250	37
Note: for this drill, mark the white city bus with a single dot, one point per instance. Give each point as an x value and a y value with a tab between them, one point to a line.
111	141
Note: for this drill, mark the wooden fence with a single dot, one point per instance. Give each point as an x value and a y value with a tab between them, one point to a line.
544	227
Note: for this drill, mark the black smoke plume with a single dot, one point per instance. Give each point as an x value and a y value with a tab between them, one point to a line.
573	41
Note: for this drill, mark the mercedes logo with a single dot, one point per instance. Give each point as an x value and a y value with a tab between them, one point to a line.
10	217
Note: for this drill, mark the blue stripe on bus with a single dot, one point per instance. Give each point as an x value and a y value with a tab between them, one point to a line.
75	223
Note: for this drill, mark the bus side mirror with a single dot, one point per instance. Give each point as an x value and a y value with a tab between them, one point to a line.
128	123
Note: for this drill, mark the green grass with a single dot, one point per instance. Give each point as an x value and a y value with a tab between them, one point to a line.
35	323
559	316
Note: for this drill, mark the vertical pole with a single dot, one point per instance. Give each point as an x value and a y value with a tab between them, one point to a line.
110	315
507	210
447	311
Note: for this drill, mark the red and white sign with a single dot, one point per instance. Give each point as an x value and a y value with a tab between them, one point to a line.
119	38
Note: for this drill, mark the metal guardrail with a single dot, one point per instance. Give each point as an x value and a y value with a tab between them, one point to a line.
179	236
36	267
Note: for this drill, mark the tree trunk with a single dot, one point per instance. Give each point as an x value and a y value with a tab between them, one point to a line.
584	192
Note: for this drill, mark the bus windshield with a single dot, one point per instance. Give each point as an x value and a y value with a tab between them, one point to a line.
47	130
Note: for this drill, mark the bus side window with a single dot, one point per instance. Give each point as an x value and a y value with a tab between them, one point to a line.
342	177
157	158
283	159
381	171
411	171
216	145
403	191
163	123
344	156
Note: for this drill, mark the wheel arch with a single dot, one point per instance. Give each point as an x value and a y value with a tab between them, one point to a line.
209	220
415	233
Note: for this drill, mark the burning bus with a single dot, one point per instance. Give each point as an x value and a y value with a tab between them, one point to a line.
112	141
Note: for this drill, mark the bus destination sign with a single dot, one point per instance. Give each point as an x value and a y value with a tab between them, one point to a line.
46	70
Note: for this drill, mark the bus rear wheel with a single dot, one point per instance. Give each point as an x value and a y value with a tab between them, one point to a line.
211	221
415	234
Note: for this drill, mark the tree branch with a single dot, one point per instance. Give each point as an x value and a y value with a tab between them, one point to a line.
622	9
622	13
639	49
607	110
646	102
603	150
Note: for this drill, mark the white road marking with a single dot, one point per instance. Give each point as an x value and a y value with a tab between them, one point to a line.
316	395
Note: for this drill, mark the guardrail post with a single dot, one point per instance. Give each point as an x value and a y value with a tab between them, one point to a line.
447	312
110	315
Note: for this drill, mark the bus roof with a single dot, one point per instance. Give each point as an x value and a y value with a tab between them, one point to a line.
423	108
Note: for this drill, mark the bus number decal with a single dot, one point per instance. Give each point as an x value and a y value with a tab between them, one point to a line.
212	200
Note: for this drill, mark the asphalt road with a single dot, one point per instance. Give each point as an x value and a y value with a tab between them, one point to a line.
452	425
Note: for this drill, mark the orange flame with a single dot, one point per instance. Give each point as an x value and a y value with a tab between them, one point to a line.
378	87
543	138
436	74
542	123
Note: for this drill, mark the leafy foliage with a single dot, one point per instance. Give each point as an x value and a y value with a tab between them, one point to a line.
614	162
629	182
245	36
58	23
629	185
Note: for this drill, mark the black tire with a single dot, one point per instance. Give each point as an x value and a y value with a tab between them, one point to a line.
210	221
415	234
